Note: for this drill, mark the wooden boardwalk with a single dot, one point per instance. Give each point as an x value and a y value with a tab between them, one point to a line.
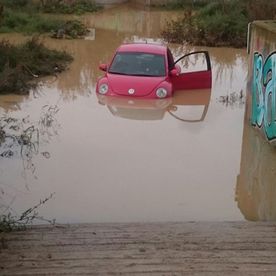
200	248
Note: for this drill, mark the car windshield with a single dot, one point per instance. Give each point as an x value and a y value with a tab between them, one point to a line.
138	64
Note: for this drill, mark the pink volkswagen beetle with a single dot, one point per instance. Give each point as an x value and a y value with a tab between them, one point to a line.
144	70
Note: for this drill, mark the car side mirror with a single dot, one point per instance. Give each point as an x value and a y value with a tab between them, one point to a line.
174	72
103	67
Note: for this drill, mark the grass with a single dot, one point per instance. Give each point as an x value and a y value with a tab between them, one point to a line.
70	7
52	6
181	4
70	29
26	16
15	3
218	23
22	22
21	64
12	222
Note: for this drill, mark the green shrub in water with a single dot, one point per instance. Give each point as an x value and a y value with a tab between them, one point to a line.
21	64
17	21
14	3
218	23
70	29
222	24
69	7
182	4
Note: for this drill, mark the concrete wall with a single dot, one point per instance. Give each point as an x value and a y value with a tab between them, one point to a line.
256	183
261	100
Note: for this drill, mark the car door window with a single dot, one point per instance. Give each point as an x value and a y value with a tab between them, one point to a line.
195	71
170	60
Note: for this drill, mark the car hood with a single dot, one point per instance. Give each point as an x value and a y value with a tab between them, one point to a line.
142	86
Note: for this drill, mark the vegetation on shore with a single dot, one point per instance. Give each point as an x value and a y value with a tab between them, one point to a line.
70	29
52	6
19	65
69	7
12	222
23	22
27	17
181	4
216	23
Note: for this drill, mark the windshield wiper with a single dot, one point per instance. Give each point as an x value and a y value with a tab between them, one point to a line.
117	73
132	74
142	75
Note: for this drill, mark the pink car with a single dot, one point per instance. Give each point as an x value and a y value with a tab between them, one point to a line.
143	70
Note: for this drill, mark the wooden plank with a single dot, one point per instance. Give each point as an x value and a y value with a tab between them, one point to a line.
201	248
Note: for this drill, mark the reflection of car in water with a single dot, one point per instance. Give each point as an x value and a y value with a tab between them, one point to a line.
141	70
188	106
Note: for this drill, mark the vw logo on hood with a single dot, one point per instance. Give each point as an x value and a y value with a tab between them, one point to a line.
131	91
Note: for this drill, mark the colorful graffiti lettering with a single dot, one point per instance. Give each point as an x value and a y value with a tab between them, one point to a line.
264	94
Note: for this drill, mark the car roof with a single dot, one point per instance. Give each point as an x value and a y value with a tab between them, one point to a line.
143	47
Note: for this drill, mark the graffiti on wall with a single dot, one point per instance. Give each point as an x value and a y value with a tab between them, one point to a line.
264	94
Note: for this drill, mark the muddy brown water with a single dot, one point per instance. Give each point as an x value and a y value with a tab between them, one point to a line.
108	161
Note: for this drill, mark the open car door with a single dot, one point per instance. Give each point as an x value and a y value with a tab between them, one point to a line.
194	78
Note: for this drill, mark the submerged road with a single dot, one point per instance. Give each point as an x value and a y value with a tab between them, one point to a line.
189	248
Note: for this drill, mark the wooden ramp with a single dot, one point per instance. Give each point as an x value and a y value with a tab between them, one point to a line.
200	248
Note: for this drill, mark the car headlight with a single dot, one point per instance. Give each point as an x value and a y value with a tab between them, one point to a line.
161	92
103	88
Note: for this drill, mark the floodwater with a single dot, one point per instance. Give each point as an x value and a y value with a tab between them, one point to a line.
122	161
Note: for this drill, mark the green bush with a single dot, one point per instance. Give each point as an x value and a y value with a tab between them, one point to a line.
178	31
77	6
8	55
20	64
223	24
17	21
183	4
25	16
12	20
40	60
71	29
219	23
14	3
